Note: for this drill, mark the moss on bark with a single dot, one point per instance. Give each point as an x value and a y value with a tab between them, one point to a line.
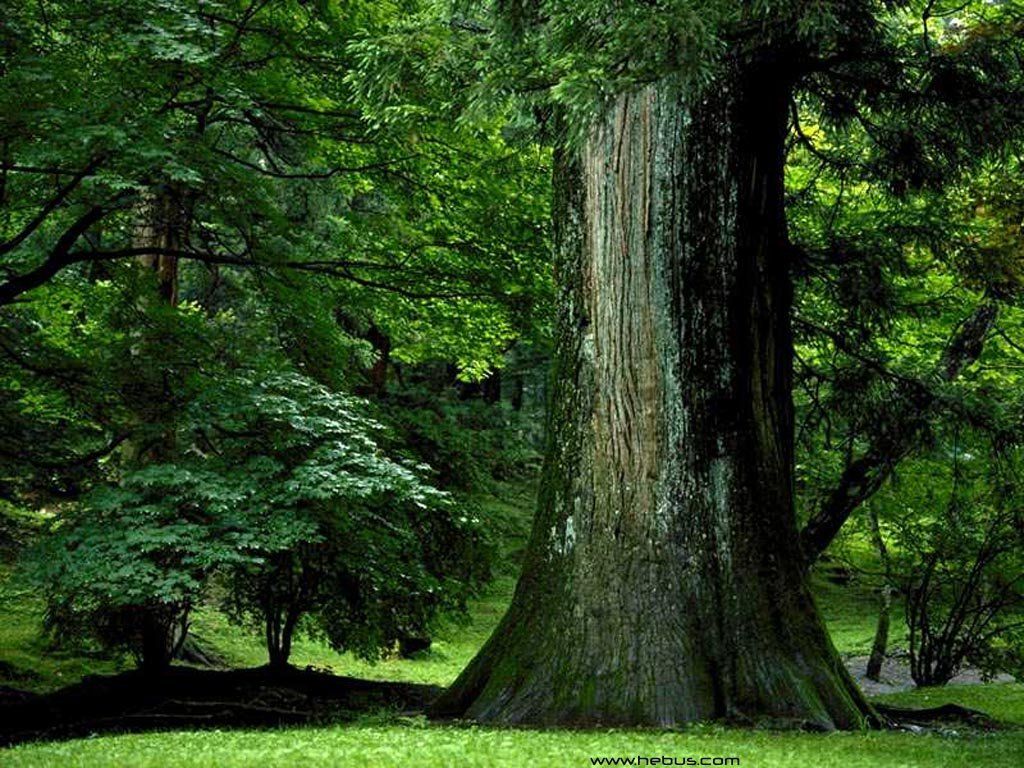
663	582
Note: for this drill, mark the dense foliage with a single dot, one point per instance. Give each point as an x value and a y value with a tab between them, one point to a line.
211	239
288	499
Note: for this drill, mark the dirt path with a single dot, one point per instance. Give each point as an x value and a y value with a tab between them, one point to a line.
895	675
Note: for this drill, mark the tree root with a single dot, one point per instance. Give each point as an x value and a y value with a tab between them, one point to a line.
906	718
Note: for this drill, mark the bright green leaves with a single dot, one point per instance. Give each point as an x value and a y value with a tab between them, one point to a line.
280	470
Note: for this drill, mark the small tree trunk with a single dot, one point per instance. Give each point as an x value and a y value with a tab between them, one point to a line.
518	391
378	373
490	388
881	642
273	634
663	582
287	633
163	631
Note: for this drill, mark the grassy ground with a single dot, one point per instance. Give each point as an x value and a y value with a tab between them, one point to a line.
384	741
27	660
416	743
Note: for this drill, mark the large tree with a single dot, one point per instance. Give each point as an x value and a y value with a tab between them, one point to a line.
664	581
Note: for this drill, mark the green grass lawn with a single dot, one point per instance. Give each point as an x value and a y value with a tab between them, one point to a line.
416	743
385	740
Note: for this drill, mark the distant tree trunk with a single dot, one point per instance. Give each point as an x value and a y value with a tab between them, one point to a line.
518	390
663	582
378	374
490	388
881	642
273	636
286	598
280	630
163	225
162	633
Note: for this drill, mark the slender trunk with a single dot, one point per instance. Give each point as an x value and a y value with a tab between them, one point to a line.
163	224
275	655
280	630
378	374
881	642
283	607
518	390
663	582
287	633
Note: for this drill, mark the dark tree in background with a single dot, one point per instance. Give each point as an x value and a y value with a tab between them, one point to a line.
664	581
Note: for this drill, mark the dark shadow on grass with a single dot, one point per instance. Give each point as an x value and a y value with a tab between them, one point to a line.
184	697
263	697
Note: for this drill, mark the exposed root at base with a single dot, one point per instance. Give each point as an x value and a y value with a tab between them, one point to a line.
905	718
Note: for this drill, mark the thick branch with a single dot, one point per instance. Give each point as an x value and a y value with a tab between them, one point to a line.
865	474
50	206
59	257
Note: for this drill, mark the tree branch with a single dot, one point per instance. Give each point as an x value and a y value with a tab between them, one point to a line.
59	257
14	287
866	474
48	208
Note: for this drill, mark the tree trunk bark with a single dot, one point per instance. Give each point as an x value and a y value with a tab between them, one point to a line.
163	224
276	656
663	582
378	373
881	642
162	634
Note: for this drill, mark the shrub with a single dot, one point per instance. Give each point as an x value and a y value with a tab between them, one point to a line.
963	577
284	494
126	565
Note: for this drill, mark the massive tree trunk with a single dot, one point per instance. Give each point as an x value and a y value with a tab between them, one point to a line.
663	582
